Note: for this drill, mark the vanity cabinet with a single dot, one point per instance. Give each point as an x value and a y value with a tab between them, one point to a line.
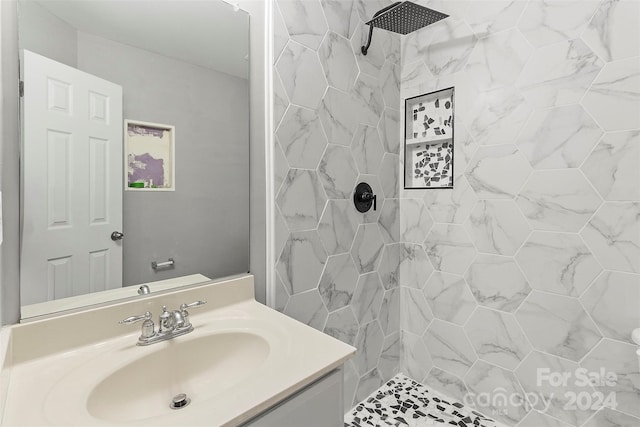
320	404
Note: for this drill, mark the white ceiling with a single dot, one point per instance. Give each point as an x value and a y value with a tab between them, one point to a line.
208	33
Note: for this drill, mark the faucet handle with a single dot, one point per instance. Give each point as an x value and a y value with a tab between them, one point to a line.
134	319
148	327
185	313
194	304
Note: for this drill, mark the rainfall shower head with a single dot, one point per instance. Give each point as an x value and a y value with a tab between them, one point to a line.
402	18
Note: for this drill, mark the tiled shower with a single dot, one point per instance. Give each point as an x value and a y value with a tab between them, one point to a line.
531	261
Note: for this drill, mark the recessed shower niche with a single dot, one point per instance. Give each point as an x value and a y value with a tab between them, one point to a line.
428	140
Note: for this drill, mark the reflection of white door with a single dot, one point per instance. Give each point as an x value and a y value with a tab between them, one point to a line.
72	182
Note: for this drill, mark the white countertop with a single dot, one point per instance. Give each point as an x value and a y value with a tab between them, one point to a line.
49	382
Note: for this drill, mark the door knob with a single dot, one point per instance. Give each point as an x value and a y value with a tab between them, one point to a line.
116	235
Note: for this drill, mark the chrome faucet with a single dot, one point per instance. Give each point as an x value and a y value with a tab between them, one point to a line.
170	324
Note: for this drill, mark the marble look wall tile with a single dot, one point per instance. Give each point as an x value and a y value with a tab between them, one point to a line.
367	298
390	43
613	33
389	268
338	226
497	282
389	316
372	62
449	297
337	171
451	205
549	21
367	248
559	74
464	149
558	325
613	235
444	47
368	97
282	297
304	20
389	363
449	348
497	172
307	307
368	383
609	418
537	419
280	100
389	128
612	167
389	221
338	61
449	248
374	181
486	378
621	359
281	232
338	281
558	263
301	137
301	262
447	384
497	116
555	396
369	345
415	79
301	199
489	16
415	221
497	338
415	358
280	34
389	81
367	149
497	60
415	268
497	227
614	96
341	16
559	200
389	175
558	137
612	302
338	116
301	74
280	166
415	313
342	325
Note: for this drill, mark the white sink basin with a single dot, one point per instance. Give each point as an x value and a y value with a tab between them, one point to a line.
144	387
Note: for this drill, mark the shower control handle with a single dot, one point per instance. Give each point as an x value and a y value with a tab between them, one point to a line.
116	235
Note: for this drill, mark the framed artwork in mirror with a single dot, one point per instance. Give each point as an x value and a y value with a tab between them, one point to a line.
428	140
149	156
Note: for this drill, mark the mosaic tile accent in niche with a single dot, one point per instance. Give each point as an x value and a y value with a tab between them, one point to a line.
432	165
429	140
404	402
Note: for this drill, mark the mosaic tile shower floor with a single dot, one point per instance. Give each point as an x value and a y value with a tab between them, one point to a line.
404	402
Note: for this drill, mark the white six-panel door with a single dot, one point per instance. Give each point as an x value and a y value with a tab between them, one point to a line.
72	181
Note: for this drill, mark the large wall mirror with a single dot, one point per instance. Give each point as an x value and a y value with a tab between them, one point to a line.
135	148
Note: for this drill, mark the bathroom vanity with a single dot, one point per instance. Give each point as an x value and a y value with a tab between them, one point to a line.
243	364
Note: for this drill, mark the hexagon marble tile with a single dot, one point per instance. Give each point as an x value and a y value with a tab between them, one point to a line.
338	281
301	262
449	297
367	248
613	235
337	172
449	347
497	227
496	282
612	303
558	325
342	325
307	307
338	226
304	20
301	137
497	172
558	137
301	199
449	248
558	263
614	31
367	149
367	298
612	167
301	75
338	61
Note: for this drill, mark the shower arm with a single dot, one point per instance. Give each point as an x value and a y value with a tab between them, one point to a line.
365	49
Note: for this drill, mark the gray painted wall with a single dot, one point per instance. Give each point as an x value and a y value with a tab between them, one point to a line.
203	224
